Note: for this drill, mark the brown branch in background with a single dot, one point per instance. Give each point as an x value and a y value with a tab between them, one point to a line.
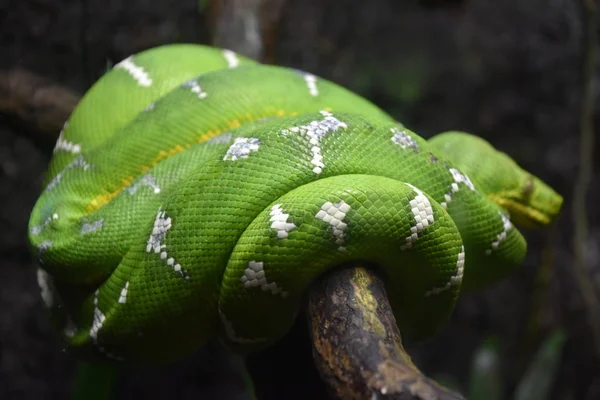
271	18
585	170
248	27
38	102
357	345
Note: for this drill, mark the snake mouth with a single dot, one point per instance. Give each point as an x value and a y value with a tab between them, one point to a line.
531	215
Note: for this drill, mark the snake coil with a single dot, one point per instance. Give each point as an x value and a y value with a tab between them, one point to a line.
195	193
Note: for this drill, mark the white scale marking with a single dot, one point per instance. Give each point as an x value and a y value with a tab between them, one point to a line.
311	82
146	180
458	177
501	237
162	224
254	276
279	222
232	58
404	140
315	131
37	229
194	86
334	215
241	148
64	145
42	247
92	227
232	335
98	322
423	213
137	72
45	283
79	162
123	296
455	280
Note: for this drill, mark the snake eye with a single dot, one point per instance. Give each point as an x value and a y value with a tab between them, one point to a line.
528	187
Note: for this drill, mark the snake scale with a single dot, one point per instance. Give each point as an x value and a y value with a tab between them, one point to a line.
196	194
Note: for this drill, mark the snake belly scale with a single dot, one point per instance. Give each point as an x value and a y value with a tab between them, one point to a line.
196	194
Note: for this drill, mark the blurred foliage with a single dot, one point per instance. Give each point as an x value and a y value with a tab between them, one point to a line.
486	383
203	5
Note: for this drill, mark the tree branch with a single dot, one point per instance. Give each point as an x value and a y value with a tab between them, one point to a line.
37	102
248	27
586	147
357	345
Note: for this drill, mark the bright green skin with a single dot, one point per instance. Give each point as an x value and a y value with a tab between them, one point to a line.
219	210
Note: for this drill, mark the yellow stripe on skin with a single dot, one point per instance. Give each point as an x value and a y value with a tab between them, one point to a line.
103	199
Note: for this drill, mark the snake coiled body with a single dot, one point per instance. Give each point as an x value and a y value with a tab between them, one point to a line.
196	194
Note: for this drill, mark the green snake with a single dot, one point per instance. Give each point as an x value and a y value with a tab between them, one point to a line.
195	194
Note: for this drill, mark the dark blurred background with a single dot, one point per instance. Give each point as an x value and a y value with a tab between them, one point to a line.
510	71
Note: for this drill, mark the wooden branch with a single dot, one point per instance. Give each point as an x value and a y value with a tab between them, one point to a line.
270	22
248	27
357	345
237	27
43	104
586	148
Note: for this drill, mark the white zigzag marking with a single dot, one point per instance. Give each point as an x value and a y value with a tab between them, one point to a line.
315	132
254	276
146	180
311	82
423	213
279	222
79	162
501	237
232	58
42	247
241	148
404	140
137	72
194	86
37	229
64	145
123	296
458	177
454	280
92	227
334	215
162	224
98	322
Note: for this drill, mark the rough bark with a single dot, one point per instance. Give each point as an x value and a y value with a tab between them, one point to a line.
357	345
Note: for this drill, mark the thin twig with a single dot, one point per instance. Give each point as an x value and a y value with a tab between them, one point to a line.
586	167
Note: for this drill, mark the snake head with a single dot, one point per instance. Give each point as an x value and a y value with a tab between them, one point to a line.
530	202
